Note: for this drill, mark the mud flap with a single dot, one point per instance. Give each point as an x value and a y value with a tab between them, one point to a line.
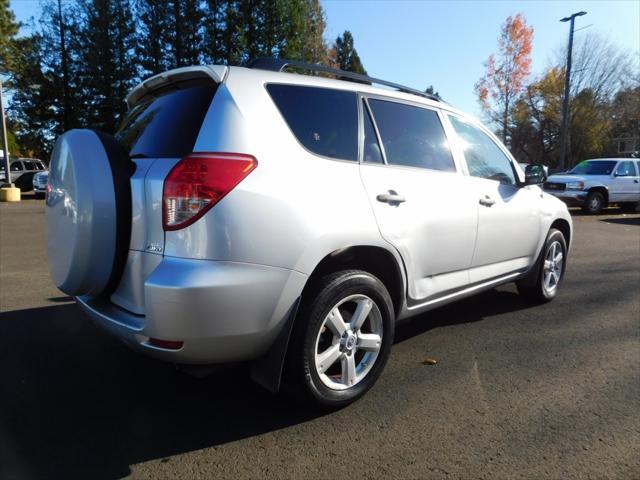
267	370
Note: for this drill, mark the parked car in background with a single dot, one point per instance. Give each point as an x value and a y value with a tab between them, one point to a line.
291	221
22	172
40	183
594	184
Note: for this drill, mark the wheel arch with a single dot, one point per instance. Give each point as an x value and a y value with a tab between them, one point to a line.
376	260
602	189
564	227
267	370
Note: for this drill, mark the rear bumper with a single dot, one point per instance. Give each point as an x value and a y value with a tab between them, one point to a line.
570	197
222	311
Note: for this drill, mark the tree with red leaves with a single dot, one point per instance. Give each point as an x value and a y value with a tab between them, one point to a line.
498	89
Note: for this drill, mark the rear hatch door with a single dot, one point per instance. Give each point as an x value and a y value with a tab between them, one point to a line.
165	116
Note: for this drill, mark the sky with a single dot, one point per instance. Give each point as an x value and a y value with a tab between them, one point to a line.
445	43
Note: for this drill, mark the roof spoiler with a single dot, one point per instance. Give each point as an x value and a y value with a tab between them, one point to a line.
215	72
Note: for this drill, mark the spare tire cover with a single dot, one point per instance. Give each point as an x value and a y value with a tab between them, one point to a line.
82	211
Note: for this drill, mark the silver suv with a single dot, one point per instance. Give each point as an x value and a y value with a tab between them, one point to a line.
593	184
22	171
291	221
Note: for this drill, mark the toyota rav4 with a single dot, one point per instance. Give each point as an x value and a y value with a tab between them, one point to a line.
291	221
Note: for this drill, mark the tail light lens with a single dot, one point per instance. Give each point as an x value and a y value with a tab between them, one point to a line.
199	181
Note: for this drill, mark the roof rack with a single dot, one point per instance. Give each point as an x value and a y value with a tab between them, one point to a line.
280	64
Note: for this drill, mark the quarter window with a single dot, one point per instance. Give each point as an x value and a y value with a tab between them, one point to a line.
412	136
16	167
325	121
484	158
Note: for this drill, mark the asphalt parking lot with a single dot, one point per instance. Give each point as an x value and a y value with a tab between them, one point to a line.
518	391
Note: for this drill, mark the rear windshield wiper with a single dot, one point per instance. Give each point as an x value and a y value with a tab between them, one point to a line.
139	155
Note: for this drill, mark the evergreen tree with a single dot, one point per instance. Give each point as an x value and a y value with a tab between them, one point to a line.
303	27
432	91
78	66
185	36
237	31
60	63
314	47
345	55
8	31
170	34
106	49
34	117
152	40
44	81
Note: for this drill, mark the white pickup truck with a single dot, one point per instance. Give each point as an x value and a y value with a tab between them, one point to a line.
593	184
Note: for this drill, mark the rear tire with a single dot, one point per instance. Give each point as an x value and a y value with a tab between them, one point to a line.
341	340
595	203
551	265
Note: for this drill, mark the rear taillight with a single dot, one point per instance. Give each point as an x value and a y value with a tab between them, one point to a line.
199	181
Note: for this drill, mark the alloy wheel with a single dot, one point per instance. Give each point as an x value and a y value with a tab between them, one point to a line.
553	267
348	342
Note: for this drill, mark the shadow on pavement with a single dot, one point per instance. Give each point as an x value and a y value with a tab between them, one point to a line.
76	403
623	220
472	309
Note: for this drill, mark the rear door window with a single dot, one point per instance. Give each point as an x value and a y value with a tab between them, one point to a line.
412	136
626	169
167	123
325	121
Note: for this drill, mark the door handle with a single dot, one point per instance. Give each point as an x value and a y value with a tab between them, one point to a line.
487	201
391	198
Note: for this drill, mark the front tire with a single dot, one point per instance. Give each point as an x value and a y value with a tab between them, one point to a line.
550	266
342	338
595	203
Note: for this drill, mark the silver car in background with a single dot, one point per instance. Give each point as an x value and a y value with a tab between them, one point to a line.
594	184
291	221
22	172
40	181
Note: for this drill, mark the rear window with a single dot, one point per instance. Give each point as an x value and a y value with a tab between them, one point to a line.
167	123
412	136
324	121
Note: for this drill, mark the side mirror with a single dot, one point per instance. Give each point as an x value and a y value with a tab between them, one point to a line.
534	174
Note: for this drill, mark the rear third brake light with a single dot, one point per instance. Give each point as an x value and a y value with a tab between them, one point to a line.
199	181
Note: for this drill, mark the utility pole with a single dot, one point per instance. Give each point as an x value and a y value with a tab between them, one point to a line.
567	79
65	72
5	143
